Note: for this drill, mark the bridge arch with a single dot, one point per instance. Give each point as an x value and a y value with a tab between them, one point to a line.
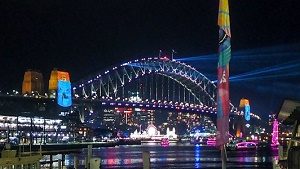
111	83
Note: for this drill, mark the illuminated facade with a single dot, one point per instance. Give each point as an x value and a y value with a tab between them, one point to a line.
64	95
135	117
109	119
124	116
33	83
32	130
244	103
144	117
60	87
54	78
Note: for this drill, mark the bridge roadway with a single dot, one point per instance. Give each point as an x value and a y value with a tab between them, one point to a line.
47	108
18	105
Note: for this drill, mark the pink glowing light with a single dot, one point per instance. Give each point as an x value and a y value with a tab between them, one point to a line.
164	142
211	142
275	133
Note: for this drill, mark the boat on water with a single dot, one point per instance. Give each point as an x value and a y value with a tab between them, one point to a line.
211	142
246	145
158	141
165	142
13	159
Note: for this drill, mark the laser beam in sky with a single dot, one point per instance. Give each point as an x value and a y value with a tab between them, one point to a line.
272	69
277	51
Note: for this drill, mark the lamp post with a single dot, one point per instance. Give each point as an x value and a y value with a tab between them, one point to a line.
172	54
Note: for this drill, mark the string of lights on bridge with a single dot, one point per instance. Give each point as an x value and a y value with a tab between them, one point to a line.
192	76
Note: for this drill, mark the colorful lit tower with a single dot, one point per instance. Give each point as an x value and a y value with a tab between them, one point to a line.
223	107
244	103
243	123
60	87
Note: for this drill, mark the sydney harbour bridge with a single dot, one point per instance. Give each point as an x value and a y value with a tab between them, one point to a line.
157	82
148	83
153	83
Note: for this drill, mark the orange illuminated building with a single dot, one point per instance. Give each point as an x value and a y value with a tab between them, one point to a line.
244	102
32	82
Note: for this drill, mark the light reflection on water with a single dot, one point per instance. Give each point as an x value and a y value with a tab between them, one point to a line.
197	156
173	157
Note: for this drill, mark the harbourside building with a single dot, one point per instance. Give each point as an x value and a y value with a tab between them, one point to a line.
153	134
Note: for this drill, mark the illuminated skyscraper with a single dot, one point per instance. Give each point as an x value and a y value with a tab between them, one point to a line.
109	119
172	119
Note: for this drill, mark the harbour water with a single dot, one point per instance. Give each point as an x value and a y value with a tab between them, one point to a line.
173	156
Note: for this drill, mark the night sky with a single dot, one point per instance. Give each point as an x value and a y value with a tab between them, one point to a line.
85	37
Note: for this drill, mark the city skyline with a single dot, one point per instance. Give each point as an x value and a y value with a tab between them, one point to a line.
86	38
